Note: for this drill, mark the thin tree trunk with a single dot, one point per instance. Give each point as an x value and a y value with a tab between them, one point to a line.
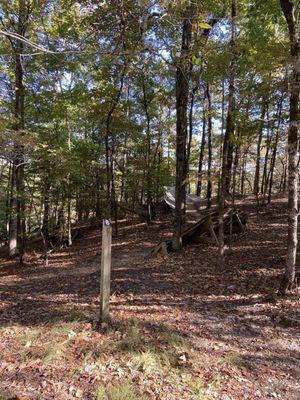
7	205
69	222
235	166
225	173
258	152
13	221
222	134
109	154
31	205
191	125
201	154
274	153
146	104
230	124
264	181
243	174
209	145
124	166
46	199
282	187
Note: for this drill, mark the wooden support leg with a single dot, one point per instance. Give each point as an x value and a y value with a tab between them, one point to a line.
212	232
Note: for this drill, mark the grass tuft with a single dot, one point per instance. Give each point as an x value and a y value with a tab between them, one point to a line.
133	342
53	352
29	337
197	389
173	339
235	360
64	315
124	391
148	362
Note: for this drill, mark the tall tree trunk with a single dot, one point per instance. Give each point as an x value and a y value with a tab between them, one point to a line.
226	165
236	165
109	152
289	10
258	151
222	134
230	124
8	198
182	95
209	146
274	152
17	229
243	173
146	104
191	126
201	154
46	200
282	187
13	220
69	221
264	181
124	166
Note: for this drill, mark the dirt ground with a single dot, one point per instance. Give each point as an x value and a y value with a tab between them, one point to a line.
180	329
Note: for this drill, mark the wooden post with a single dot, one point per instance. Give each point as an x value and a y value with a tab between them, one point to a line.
212	232
105	270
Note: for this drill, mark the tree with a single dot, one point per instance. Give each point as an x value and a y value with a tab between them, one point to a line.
182	95
289	10
227	141
17	200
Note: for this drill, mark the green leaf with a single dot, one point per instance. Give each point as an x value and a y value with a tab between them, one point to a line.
204	25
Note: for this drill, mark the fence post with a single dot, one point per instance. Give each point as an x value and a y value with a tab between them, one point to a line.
105	270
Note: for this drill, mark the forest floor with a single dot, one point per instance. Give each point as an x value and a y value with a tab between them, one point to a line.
181	330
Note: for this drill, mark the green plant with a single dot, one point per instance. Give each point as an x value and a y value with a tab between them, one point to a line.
124	391
30	336
132	342
197	389
173	339
78	315
215	382
235	359
53	351
147	361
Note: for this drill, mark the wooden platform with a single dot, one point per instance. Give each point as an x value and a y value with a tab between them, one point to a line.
206	230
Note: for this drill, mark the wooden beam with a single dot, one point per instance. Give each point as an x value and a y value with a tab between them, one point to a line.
105	271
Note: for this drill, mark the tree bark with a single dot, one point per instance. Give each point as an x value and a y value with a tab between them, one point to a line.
182	95
46	199
258	150
17	229
146	104
264	181
209	146
109	150
226	165
191	126
202	147
274	152
13	221
230	124
289	10
236	165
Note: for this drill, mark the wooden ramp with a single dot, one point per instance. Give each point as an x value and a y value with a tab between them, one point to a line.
206	230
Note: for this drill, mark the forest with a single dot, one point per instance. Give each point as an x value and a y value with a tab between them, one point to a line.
158	139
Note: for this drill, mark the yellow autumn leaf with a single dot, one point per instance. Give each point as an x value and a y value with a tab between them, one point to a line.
204	25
